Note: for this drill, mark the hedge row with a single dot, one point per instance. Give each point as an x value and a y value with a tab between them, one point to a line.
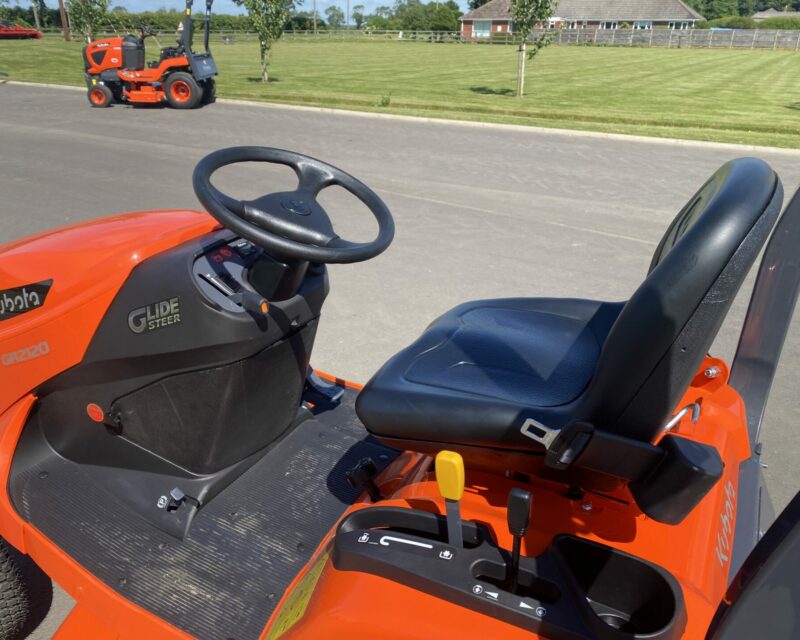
741	22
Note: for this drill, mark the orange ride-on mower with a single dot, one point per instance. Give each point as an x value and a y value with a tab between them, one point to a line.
115	69
528	468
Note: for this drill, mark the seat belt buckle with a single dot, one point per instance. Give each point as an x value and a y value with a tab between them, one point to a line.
563	446
542	434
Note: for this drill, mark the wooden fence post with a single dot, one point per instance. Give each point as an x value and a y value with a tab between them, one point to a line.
755	33
691	33
775	42
733	32
797	44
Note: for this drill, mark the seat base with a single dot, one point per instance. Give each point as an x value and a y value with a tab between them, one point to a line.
480	370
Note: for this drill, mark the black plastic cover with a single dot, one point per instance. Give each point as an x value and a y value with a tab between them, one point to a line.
684	476
132	53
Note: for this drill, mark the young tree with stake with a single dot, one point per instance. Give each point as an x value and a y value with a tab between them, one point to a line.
268	18
86	15
527	14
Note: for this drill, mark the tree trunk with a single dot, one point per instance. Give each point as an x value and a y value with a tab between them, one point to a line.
64	21
264	64
521	70
36	15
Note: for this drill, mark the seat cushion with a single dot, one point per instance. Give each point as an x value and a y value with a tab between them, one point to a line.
481	369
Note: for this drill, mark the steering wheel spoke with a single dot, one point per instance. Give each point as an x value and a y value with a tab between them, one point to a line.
292	224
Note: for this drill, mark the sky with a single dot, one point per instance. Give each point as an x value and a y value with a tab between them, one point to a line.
227	6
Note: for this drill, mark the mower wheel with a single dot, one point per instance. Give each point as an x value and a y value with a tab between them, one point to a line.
26	594
209	91
100	96
182	91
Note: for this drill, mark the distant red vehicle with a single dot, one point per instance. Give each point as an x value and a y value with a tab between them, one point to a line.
10	31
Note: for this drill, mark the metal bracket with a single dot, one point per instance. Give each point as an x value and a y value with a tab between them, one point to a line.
695	409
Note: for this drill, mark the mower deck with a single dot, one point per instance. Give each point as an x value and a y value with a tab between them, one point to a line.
244	547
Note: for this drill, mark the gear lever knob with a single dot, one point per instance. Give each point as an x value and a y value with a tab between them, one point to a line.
518	514
450	478
519	511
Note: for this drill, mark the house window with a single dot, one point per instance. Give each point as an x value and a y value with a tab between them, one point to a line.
482	28
608	25
643	24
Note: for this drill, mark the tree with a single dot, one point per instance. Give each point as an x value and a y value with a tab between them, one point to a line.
268	18
358	15
721	9
527	14
474	4
86	15
335	16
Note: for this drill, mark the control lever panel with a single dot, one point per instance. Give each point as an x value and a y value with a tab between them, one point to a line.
221	275
571	591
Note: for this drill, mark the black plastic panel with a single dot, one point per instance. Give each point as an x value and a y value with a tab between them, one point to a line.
575	589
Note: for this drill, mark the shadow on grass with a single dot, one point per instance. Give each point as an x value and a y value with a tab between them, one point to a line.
794	106
259	79
488	91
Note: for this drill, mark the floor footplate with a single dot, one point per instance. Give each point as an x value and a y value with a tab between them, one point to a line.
243	549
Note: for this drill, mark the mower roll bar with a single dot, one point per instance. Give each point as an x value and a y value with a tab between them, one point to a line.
768	318
188	26
765	326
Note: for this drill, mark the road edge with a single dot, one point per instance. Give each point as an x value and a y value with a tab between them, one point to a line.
519	128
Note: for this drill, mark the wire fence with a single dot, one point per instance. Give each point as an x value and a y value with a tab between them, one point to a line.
666	38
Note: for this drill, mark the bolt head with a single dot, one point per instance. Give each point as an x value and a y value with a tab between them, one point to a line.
587	506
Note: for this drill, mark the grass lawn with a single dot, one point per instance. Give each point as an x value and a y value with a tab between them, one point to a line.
747	96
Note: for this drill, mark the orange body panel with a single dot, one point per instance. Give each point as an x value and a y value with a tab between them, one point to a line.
695	552
145	94
154	74
112	58
88	263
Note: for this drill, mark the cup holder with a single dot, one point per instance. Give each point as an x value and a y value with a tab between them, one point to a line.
625	593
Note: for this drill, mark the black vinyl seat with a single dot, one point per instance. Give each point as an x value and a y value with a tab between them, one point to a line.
483	369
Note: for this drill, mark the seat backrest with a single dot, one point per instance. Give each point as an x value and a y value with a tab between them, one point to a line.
663	332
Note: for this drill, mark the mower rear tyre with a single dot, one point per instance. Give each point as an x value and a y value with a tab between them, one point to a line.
182	91
100	96
26	594
209	91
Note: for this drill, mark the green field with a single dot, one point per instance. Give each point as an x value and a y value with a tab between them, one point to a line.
703	94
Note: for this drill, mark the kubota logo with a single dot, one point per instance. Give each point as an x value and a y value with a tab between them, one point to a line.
28	353
725	531
19	300
155	316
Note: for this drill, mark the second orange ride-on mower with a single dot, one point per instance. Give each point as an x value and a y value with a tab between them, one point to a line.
115	69
528	468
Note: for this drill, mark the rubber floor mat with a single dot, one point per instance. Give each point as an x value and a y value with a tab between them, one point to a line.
243	549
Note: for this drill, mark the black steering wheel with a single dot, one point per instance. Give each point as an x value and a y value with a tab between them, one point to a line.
292	223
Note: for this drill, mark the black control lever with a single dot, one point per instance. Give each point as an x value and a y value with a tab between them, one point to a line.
362	476
519	512
251	302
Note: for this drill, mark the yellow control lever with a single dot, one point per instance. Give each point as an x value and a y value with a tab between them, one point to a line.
450	474
450	478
